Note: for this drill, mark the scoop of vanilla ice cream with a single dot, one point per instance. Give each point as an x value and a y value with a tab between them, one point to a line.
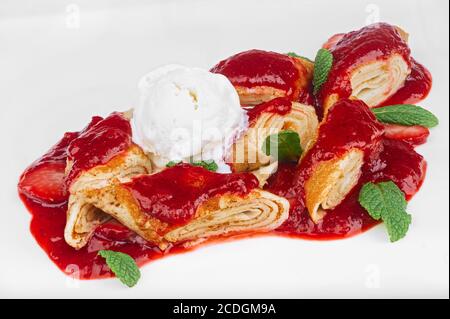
187	114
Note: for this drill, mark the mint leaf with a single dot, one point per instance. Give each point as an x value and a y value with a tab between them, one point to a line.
295	55
397	225
173	163
387	202
406	114
210	165
322	67
285	146
123	266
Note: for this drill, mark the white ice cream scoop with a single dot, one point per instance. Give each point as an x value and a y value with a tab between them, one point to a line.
187	114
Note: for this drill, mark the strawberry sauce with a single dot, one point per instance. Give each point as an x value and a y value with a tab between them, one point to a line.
416	88
98	144
374	42
349	125
259	68
174	195
395	160
280	106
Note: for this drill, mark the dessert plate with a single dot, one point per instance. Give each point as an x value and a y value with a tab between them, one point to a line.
61	64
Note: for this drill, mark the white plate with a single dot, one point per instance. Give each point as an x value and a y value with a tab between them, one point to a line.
60	64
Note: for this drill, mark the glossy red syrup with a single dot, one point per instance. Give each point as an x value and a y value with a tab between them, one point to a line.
259	68
349	125
349	218
417	86
47	227
281	106
99	144
374	42
386	160
397	161
174	195
53	162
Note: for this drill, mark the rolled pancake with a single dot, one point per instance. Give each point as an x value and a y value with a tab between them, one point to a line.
331	181
370	64
271	118
186	204
348	138
260	76
120	160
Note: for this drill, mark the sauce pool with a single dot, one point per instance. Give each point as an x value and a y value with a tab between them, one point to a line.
259	68
347	219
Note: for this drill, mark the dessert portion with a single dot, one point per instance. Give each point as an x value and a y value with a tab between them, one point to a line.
370	64
374	64
348	137
270	118
100	155
260	76
264	142
184	204
187	114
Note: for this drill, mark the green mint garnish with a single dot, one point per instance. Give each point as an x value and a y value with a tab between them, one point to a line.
285	146
173	163
123	266
406	114
210	165
322	67
387	202
295	55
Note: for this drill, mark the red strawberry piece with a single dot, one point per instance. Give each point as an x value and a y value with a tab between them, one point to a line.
44	183
331	42
415	135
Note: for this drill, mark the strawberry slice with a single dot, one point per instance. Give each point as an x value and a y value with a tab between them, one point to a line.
44	183
331	42
415	135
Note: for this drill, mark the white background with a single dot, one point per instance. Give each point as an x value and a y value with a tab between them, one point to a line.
60	64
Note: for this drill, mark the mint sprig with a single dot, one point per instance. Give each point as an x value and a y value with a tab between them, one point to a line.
322	66
285	146
295	55
387	202
406	114
123	266
210	165
173	163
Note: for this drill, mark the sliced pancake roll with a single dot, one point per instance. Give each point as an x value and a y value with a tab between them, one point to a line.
101	154
186	204
370	64
348	138
269	118
331	181
260	76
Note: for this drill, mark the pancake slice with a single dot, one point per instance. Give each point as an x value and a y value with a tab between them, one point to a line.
348	138
260	76
270	118
102	153
82	216
259	212
228	206
375	82
331	181
370	64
